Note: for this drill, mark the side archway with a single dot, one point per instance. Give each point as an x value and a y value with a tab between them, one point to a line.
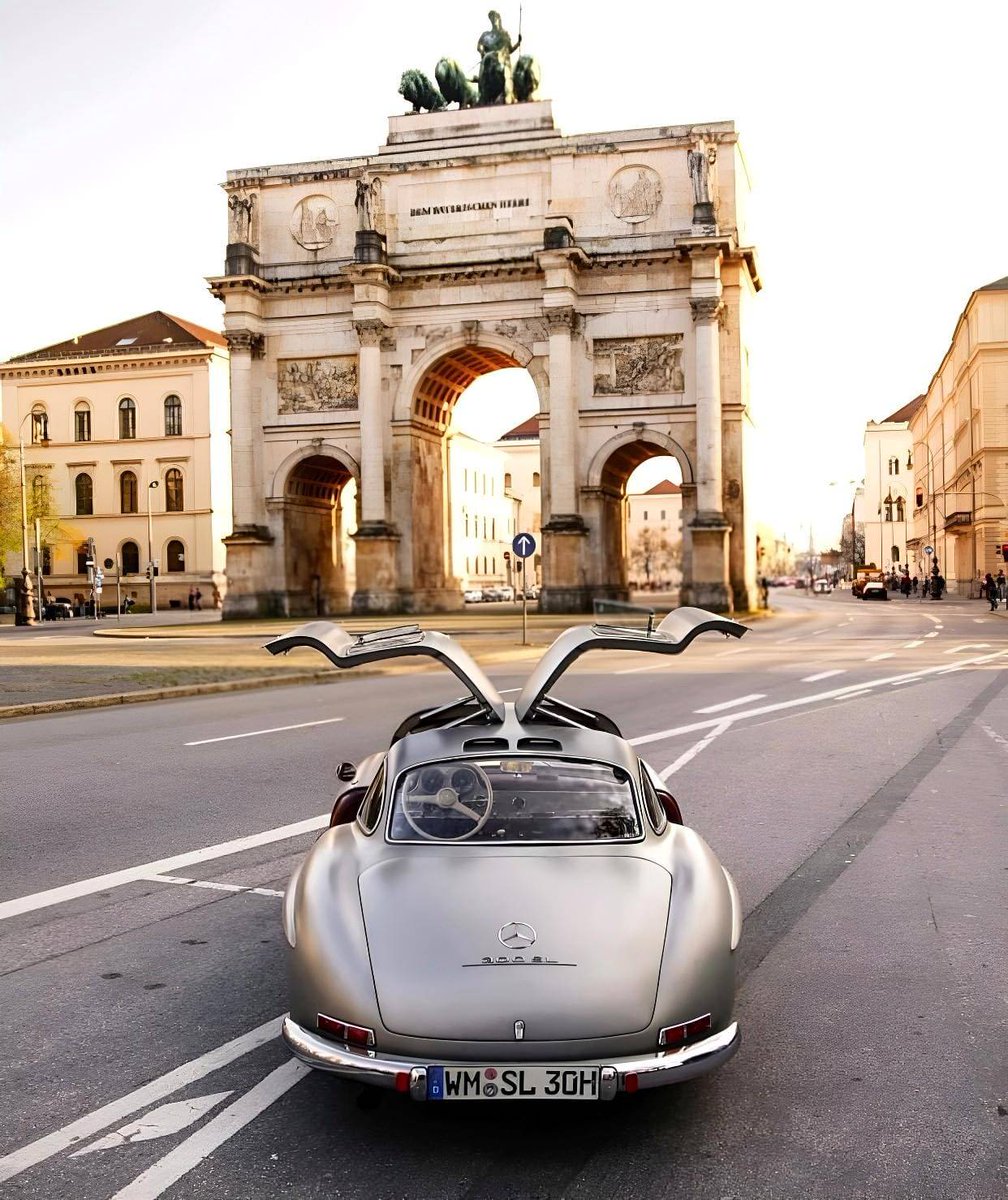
319	511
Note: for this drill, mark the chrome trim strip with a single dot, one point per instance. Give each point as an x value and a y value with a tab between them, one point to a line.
654	1070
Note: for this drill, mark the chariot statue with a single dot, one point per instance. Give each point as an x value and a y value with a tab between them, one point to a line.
497	80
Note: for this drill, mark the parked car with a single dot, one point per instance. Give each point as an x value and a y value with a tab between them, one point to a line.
874	589
472	595
507	903
58	609
822	585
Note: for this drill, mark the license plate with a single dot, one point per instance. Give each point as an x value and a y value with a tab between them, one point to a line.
513	1083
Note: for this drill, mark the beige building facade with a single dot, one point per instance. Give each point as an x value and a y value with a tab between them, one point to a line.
959	436
364	294
888	498
112	421
654	536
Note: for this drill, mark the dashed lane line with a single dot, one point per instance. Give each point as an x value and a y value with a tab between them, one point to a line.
233	737
913	645
173	1081
824	675
100	883
213	886
880	657
933	633
968	646
712	708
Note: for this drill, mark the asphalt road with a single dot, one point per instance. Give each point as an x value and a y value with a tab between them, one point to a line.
845	761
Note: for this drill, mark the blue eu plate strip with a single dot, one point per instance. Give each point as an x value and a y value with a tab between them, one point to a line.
435	1083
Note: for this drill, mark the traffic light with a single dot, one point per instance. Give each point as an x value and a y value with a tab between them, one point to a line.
507	555
1004	551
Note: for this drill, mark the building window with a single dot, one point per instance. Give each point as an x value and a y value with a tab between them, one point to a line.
39	426
130	558
38	496
83	496
535	478
888	510
663	514
82	423
176	555
47	560
920	499
894	554
645	514
173	417
127	418
127	492
467	528
507	480
900	509
173	490
82	557
893	466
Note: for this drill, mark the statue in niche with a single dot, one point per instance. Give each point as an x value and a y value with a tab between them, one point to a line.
701	163
240	206
367	202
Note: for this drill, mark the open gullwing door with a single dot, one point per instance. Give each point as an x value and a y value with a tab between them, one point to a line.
672	636
352	649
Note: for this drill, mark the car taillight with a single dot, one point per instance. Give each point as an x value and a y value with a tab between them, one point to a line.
353	1035
671	807
676	1035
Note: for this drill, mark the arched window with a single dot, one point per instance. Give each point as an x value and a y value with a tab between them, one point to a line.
894	554
176	555
535	478
888	510
38	496
82	557
894	465
127	418
173	416
83	495
47	560
900	509
39	425
173	490
82	422
127	492
130	558
507	479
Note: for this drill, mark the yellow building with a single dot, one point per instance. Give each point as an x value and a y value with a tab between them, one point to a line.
959	450
125	436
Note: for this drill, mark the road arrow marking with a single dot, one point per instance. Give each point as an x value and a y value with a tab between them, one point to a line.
160	1122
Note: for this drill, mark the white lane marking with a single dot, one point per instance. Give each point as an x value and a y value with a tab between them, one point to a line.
879	657
694	750
933	633
836	693
979	620
936	621
817	632
233	737
160	1122
731	703
215	887
968	646
158	1178
99	883
913	645
53	1143
733	650
843	623
638	670
1002	742
824	675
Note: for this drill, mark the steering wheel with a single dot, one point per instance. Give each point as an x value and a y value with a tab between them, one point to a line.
462	789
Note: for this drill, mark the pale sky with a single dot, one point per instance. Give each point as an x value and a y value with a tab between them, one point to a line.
874	133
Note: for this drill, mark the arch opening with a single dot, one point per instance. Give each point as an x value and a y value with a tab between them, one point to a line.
475	476
320	500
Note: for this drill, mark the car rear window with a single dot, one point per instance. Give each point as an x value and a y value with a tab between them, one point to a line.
509	800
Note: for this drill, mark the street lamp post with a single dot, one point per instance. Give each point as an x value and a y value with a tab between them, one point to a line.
931	495
25	614
154	484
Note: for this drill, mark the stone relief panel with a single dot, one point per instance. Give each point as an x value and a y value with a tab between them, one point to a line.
635	193
313	222
317	384
633	366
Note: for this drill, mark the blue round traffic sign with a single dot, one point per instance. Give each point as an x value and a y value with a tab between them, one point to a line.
524	545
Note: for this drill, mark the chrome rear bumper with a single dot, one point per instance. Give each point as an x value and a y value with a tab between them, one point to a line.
618	1075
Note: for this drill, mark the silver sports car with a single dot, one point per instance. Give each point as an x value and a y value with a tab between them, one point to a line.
507	903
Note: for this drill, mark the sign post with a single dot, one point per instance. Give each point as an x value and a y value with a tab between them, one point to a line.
524	546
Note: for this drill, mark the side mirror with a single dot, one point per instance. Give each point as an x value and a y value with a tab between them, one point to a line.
671	807
346	772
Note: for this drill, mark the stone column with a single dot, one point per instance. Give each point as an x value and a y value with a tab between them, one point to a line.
251	591
710	584
565	532
375	539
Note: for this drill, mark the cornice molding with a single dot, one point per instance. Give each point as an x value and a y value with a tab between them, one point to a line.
706	308
370	332
244	341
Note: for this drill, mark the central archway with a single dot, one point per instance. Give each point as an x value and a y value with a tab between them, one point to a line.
428	459
318	492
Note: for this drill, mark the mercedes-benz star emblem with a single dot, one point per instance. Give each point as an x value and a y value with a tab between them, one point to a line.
516	935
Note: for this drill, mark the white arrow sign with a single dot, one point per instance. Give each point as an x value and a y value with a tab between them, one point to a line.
160	1122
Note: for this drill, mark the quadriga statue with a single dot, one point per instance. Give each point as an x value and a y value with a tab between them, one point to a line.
526	77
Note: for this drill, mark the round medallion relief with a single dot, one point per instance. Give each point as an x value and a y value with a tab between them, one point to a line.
313	222
635	193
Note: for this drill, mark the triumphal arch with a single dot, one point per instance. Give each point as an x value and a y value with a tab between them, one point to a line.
364	294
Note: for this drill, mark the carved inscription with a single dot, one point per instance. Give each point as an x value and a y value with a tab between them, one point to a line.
317	384
632	366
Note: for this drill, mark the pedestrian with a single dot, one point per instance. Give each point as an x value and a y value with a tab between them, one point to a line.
938	587
192	598
925	588
765	592
916	584
1002	584
991	591
905	583
199	598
